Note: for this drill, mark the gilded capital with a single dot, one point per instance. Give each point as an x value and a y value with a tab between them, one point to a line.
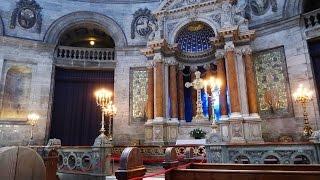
229	46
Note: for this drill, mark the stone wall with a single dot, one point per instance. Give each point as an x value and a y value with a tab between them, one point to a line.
37	56
290	35
124	132
25	47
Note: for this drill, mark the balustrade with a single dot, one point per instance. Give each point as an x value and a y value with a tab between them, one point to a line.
312	19
84	54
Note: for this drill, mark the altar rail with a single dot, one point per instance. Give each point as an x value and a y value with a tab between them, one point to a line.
99	161
265	153
80	56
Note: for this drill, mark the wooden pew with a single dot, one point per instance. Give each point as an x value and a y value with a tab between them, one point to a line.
197	171
131	164
21	163
51	163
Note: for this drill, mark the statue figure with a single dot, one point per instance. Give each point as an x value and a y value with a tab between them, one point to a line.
227	15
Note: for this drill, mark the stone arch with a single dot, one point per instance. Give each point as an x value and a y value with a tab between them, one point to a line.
1	27
214	25
268	155
234	158
294	155
65	22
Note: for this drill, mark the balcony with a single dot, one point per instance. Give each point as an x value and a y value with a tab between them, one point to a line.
312	23
85	57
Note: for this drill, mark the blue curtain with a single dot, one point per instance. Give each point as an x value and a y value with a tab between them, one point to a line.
76	118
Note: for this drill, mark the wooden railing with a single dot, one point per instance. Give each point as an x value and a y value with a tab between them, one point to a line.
312	19
84	54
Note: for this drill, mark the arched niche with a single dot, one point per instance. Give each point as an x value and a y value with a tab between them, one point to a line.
16	93
83	18
212	24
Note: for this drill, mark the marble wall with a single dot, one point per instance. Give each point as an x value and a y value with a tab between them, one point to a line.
26	48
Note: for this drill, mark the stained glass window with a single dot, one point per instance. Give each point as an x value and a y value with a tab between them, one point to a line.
138	93
272	83
195	37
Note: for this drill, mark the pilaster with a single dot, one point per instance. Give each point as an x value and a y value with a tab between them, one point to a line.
232	80
221	75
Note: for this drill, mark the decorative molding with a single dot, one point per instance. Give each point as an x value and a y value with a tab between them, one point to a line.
143	23
28	14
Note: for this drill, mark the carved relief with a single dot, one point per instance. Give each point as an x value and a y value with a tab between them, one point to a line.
16	93
182	3
143	23
28	14
261	7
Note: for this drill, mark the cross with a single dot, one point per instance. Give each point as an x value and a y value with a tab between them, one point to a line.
197	84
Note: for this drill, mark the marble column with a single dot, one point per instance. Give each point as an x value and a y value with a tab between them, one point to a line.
173	91
150	92
221	75
251	82
181	95
232	80
159	84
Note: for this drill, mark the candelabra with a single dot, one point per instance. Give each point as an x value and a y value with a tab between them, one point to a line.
304	96
104	101
32	120
214	85
197	84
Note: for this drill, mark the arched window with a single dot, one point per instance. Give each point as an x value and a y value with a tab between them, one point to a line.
195	37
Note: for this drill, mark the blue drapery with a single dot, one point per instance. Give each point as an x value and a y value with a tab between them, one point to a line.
76	118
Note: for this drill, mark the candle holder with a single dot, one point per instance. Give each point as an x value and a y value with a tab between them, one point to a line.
104	101
214	85
32	121
304	96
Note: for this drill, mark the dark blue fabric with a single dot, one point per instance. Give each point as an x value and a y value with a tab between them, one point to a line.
205	104
76	118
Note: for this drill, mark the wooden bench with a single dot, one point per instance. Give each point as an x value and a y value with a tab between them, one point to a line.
131	164
21	163
197	171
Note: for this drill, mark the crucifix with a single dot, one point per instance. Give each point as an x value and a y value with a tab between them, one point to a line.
197	84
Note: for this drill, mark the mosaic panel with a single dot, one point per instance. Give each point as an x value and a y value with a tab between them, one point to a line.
272	83
138	94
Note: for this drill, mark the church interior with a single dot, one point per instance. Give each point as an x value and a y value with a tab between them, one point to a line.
125	89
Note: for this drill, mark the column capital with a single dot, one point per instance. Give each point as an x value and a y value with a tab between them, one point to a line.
158	57
220	53
181	67
247	50
229	46
171	61
150	64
